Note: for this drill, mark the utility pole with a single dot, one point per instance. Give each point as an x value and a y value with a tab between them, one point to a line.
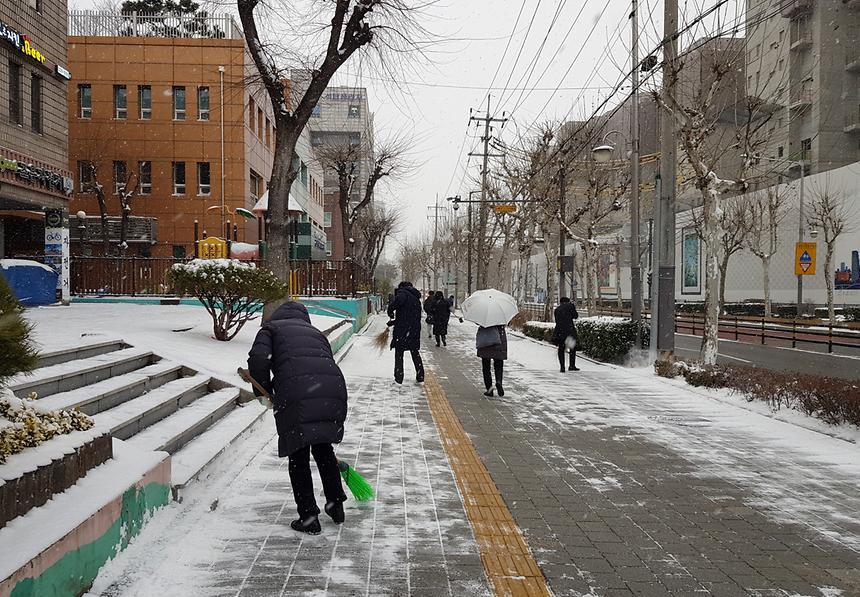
483	213
800	230
668	166
635	263
434	253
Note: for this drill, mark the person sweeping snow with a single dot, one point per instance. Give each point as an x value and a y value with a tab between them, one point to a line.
293	362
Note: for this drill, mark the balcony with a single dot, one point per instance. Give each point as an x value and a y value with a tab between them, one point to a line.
795	8
852	119
141	230
801	100
99	23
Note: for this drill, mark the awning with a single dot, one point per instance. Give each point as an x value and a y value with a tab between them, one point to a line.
262	205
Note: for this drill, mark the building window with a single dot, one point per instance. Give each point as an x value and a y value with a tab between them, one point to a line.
354	111
304	174
327	219
316	140
179	252
85	176
260	124
179	104
252	113
204	184
202	103
85	101
806	145
316	112
14	92
120	176
268	133
36	103
780	151
355	139
256	185
120	102
144	100
328	248
144	178
178	178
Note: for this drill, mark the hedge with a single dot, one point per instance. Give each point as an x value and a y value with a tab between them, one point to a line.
607	339
834	401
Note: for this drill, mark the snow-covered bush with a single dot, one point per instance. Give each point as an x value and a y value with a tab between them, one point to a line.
603	338
232	291
832	400
18	353
24	424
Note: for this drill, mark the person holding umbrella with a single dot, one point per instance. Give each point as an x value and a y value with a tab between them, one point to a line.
491	310
564	336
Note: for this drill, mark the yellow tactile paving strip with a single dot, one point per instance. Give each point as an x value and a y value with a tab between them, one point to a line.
509	564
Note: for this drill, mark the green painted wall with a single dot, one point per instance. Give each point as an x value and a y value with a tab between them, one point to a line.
75	572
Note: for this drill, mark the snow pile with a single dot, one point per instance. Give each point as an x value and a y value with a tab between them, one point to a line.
27	425
543	325
10	263
211	265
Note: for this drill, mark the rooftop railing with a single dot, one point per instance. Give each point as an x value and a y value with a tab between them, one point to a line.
137	24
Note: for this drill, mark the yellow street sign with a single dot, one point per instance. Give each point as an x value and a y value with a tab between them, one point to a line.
804	259
213	248
505	208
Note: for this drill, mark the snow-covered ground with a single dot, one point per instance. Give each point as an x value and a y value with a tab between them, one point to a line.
181	333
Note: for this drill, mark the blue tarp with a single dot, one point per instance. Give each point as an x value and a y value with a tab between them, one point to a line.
33	283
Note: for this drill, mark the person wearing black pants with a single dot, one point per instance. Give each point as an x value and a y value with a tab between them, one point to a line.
404	313
564	336
287	352
492	344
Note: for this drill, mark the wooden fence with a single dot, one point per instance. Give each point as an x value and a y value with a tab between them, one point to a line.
147	276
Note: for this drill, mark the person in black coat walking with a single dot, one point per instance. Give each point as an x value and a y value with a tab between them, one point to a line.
405	314
564	336
492	344
293	361
428	310
440	312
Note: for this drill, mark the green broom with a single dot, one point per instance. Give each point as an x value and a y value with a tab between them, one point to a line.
361	490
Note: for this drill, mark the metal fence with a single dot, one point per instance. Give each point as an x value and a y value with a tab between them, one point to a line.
138	24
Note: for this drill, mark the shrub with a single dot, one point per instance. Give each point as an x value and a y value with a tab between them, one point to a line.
18	352
834	401
25	424
602	338
232	291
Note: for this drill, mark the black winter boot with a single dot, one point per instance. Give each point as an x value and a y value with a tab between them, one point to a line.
335	511
500	390
489	392
310	525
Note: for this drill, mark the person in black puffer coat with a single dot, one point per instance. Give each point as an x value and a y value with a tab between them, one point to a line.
440	311
293	361
492	344
405	314
428	309
564	336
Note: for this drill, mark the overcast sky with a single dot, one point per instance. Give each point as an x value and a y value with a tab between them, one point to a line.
540	60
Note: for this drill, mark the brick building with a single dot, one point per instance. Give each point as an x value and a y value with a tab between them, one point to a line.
34	172
170	104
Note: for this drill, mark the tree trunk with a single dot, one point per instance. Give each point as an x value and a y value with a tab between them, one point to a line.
103	212
710	223
724	267
828	280
765	272
590	278
549	299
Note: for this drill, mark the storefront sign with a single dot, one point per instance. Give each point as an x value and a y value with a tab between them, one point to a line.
62	73
57	248
37	176
21	42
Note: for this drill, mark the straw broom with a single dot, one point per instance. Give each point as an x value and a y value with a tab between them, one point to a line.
382	339
358	486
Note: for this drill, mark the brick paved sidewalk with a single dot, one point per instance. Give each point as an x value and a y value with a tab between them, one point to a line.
625	488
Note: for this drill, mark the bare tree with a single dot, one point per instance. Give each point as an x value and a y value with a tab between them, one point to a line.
764	214
95	187
375	226
387	25
830	215
732	233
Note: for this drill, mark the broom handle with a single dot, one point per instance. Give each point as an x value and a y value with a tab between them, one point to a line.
246	375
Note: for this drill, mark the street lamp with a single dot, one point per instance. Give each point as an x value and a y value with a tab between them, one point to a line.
82	229
800	215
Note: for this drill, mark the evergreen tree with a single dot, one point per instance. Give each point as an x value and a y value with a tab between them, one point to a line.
17	353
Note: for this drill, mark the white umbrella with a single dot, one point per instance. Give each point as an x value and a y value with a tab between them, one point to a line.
490	307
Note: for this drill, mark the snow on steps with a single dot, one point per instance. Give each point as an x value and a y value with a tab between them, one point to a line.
113	391
191	462
179	428
71	353
81	372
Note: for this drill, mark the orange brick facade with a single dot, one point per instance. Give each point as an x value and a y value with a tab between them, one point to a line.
156	136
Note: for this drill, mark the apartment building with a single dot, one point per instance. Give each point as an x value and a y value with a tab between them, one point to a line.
34	179
168	106
804	56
